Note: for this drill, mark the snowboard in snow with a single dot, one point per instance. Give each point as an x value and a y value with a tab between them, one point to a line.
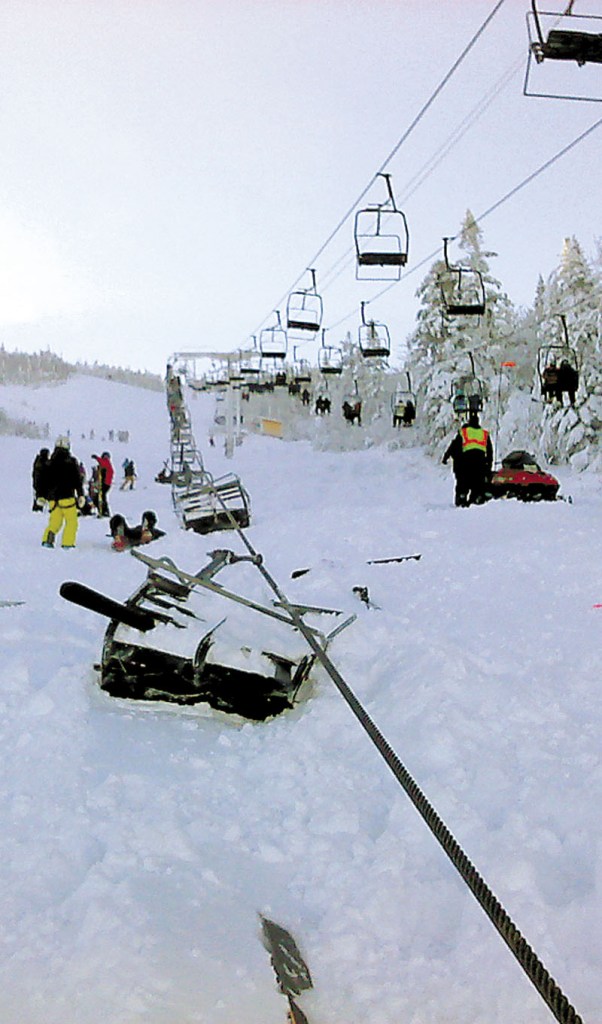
79	594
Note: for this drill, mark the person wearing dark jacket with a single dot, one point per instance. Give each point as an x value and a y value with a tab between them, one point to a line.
39	479
107	473
126	536
65	494
471	453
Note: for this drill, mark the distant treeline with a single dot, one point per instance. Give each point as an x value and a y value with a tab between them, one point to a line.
43	367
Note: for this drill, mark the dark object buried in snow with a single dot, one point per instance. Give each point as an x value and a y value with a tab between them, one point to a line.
521	477
186	639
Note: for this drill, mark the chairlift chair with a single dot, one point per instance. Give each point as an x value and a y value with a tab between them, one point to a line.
235	373
385	252
462	289
373	337
250	362
558	368
402	398
468	393
302	371
330	360
304	309
273	341
564	43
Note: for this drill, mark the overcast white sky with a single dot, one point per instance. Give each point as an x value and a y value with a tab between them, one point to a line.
169	167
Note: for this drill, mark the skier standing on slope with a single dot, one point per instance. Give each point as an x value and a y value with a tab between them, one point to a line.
65	494
107	473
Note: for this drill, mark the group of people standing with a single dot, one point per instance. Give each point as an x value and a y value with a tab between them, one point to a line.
59	483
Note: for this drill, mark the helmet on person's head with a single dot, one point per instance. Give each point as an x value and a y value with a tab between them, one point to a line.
106	455
62	441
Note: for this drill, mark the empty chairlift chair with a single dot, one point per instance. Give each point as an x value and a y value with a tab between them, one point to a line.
381	239
373	338
565	41
304	310
462	289
330	359
250	361
273	341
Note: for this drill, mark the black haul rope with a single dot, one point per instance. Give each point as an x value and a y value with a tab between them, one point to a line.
549	990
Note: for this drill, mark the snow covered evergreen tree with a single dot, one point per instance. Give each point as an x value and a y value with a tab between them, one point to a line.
444	348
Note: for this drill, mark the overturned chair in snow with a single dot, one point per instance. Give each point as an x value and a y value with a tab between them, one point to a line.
186	639
205	503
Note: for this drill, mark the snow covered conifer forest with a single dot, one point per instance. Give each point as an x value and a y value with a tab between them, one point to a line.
515	411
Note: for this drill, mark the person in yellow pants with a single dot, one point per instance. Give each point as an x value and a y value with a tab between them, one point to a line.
65	493
62	513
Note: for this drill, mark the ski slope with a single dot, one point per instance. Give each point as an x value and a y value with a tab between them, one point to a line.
139	842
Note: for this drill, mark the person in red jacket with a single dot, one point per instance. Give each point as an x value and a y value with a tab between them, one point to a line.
106	473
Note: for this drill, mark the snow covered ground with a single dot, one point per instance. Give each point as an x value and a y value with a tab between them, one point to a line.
139	842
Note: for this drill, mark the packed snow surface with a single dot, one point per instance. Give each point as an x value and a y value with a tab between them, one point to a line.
139	842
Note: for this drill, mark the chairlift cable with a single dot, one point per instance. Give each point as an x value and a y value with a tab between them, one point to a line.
533	967
329	276
509	195
423	110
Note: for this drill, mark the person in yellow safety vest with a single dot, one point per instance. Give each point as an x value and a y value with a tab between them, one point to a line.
65	495
471	452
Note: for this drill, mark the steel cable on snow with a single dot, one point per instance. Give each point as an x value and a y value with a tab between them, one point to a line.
532	966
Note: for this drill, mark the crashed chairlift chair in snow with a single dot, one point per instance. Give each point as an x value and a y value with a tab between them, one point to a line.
214	504
186	639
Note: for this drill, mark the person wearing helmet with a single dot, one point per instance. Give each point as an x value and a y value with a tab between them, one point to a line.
471	453
106	471
65	494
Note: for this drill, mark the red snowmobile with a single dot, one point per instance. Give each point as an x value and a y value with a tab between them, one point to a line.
521	477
